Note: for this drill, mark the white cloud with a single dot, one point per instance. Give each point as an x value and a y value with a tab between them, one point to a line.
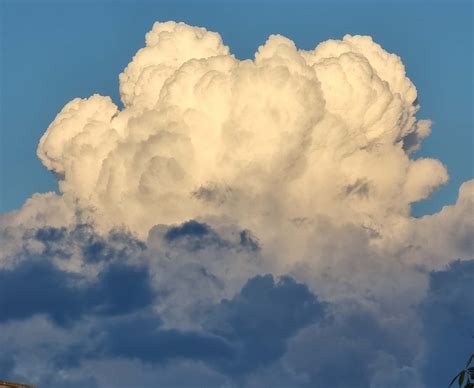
289	135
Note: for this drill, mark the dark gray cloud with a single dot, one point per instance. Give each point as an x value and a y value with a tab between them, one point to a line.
248	240
38	286
120	288
7	363
56	381
194	236
344	350
235	336
239	336
448	322
272	331
188	229
141	337
261	317
62	242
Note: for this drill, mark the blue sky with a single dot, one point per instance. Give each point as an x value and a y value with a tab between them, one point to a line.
54	51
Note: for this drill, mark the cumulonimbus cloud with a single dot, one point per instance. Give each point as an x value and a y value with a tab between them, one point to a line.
257	207
287	136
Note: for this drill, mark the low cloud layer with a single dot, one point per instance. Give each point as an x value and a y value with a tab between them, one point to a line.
239	224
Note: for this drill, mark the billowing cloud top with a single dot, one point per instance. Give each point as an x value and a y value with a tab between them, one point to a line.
289	135
238	223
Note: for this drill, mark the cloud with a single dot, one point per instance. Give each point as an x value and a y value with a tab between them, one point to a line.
94	248
115	304
193	234
7	364
44	288
287	135
238	336
356	341
448	321
142	338
132	306
437	239
238	223
261	317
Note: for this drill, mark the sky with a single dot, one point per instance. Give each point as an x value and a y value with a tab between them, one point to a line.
236	194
